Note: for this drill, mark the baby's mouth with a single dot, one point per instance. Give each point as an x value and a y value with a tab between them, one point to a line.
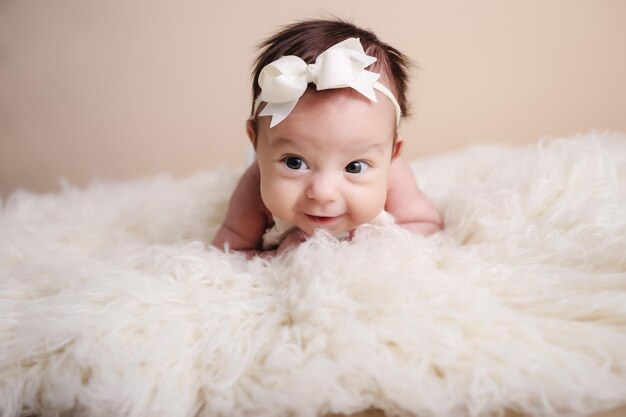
320	219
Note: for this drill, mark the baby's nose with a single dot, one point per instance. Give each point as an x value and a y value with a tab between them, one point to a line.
323	188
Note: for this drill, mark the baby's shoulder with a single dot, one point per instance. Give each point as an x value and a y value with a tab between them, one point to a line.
399	172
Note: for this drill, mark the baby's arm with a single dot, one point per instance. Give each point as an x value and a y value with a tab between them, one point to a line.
247	217
410	207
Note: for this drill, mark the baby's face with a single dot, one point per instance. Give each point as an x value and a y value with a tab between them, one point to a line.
327	164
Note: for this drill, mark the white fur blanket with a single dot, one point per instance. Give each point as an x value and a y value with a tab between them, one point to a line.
113	303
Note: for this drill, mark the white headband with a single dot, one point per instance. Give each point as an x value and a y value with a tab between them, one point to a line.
285	80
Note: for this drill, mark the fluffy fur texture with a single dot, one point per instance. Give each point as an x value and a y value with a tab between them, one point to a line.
113	302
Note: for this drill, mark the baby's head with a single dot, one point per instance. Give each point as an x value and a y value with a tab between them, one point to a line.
308	39
325	151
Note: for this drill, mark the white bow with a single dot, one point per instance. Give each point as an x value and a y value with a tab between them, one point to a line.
285	80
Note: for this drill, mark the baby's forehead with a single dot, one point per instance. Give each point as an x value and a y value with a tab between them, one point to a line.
338	118
341	98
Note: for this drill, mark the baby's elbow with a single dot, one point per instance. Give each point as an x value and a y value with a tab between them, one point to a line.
231	239
428	223
434	218
219	241
437	220
425	228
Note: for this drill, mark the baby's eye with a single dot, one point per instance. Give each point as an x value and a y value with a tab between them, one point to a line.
356	167
295	163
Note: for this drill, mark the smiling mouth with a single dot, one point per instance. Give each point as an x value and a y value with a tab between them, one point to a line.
320	219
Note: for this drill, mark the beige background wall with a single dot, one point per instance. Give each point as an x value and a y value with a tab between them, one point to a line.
118	89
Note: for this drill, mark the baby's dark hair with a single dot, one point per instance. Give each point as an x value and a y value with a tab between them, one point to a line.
308	39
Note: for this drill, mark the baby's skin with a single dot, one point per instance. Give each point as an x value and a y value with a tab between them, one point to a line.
333	164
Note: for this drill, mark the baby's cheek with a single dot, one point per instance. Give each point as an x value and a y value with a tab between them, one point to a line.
267	194
277	196
369	204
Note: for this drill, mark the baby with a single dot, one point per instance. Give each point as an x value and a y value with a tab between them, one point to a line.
328	98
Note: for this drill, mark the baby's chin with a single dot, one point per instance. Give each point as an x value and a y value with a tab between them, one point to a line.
334	226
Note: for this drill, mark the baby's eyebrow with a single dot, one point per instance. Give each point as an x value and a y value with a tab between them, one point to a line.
355	147
372	147
283	142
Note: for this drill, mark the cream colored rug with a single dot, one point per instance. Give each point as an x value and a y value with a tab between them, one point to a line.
113	303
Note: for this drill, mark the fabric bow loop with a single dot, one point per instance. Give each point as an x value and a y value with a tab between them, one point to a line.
283	80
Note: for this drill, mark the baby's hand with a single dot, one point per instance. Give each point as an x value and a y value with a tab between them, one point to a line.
292	240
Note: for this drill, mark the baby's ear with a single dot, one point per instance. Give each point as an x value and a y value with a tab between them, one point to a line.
251	131
397	148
